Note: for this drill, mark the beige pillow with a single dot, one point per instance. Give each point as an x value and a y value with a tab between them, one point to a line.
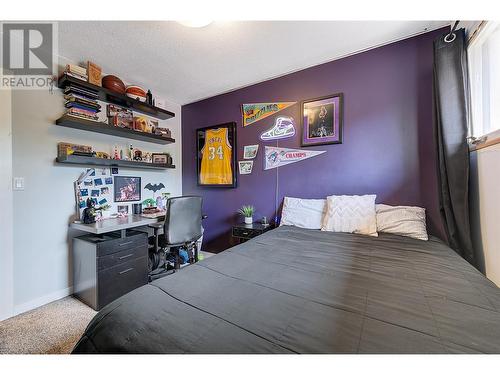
303	213
350	214
402	220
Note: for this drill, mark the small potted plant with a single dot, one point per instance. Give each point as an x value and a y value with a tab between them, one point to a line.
150	202
247	213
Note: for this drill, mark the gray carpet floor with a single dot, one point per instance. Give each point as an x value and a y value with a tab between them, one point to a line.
50	329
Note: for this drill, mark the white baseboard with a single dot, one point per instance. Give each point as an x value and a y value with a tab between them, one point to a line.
5	316
33	304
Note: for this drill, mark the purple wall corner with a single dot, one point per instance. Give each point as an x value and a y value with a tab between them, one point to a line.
388	147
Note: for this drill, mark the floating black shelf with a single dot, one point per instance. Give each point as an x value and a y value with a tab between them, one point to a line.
120	99
101	127
88	160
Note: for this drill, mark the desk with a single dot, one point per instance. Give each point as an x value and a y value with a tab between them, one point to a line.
111	260
116	224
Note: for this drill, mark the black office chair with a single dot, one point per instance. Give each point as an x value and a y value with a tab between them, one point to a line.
181	229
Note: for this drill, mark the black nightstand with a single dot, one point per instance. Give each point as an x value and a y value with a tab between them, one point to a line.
244	232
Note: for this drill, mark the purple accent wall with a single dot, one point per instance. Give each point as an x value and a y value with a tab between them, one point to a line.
388	142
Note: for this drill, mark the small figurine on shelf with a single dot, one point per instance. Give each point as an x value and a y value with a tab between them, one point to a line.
150	202
116	156
90	213
102	155
130	152
159	203
149	97
137	155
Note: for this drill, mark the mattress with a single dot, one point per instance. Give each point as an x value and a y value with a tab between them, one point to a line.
293	290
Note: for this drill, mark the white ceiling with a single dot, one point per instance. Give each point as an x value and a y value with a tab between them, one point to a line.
188	64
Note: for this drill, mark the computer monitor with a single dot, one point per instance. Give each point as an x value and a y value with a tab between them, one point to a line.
127	189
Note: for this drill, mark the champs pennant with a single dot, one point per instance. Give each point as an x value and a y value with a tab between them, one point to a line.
275	157
257	111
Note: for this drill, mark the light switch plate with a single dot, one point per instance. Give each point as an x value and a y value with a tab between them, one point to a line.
18	183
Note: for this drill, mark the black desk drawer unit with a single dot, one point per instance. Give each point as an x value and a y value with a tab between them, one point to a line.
107	266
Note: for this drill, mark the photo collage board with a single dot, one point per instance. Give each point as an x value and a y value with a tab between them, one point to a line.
96	184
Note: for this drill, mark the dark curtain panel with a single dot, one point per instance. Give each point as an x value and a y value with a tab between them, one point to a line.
451	101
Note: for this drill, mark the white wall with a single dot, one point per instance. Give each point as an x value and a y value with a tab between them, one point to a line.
485	208
42	258
6	206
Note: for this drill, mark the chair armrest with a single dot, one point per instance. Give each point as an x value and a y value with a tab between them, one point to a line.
156	225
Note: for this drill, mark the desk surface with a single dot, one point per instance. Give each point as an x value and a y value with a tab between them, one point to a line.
111	225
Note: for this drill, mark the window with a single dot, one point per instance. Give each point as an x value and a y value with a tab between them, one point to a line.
484	70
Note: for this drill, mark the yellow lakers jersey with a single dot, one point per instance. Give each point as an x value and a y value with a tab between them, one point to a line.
216	158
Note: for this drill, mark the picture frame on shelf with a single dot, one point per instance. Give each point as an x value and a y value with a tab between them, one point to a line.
322	120
123	209
94	73
161	158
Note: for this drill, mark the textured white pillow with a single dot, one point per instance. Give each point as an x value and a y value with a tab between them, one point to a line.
351	214
303	213
402	220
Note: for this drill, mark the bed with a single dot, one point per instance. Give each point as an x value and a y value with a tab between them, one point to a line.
295	290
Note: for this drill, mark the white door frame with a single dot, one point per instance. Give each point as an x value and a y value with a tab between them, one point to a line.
6	207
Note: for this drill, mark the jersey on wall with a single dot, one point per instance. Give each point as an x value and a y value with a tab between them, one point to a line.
216	158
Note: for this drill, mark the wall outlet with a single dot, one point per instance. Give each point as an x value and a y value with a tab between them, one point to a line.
18	183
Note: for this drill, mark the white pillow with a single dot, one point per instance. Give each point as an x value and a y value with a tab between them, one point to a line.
303	213
402	220
351	214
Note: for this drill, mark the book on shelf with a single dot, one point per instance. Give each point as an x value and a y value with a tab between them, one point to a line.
82	116
82	106
81	100
83	90
80	70
83	103
81	111
77	76
71	94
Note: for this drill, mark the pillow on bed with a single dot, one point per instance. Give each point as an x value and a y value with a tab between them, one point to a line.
303	213
351	214
402	220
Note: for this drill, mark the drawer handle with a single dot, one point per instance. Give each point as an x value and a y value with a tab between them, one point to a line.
245	233
126	243
125	271
125	256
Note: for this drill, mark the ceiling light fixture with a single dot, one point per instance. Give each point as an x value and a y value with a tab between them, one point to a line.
196	23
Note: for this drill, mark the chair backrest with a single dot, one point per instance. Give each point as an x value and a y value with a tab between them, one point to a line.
183	220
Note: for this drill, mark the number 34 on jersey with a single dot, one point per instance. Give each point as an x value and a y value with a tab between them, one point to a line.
216	158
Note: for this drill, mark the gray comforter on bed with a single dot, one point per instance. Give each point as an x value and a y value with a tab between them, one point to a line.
294	290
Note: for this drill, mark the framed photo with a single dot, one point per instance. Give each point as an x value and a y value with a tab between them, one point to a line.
122	209
161	158
216	155
322	120
127	189
250	152
245	166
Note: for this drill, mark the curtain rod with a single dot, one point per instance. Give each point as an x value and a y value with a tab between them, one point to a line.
451	36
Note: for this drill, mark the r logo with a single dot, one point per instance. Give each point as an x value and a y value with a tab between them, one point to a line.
27	48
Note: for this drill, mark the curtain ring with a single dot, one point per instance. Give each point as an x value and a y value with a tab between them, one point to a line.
450	37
